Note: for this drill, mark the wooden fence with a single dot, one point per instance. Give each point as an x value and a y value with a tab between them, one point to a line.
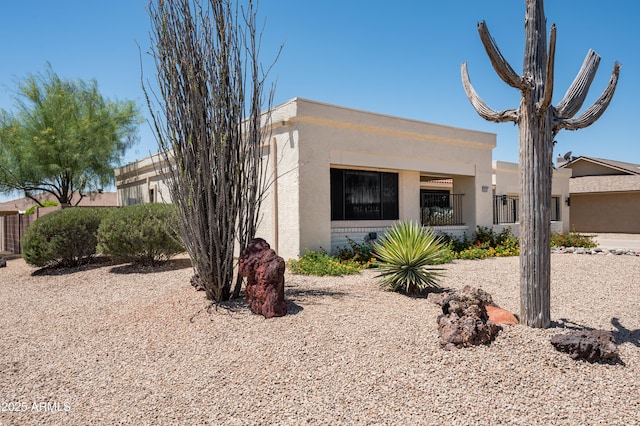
13	225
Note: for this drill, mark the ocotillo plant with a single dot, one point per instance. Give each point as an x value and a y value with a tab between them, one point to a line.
538	123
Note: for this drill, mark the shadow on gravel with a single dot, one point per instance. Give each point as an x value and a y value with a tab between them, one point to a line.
239	306
309	296
87	265
170	265
100	262
423	294
620	334
624	334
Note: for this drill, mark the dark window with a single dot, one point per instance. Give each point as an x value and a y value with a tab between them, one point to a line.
363	195
505	209
555	209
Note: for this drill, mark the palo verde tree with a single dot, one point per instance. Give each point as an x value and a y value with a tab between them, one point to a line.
210	129
538	123
64	138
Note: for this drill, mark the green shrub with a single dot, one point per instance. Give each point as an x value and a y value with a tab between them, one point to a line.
484	243
484	235
406	255
139	233
509	247
360	253
572	239
65	237
478	251
320	264
455	244
448	254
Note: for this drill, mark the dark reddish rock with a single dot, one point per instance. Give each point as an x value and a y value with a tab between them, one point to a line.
495	313
464	321
501	316
264	271
590	345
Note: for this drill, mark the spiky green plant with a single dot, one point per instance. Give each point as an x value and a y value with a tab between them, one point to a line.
406	257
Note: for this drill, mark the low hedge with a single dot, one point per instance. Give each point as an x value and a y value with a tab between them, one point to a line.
139	233
65	237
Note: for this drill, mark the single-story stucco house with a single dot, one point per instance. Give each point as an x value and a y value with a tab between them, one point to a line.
605	195
341	172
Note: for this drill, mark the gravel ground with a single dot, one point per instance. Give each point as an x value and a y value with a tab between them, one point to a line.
118	345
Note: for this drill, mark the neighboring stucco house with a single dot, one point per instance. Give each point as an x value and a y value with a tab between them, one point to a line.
342	172
506	181
605	195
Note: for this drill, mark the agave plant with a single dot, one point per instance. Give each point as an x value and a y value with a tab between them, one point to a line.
406	255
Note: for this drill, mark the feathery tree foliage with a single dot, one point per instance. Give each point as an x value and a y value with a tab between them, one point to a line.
538	123
210	129
64	138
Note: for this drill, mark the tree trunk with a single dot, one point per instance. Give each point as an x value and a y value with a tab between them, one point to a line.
536	148
535	222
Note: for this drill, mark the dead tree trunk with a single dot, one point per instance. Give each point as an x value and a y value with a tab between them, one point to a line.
538	122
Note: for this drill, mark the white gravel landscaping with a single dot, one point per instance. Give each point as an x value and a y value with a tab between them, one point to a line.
117	345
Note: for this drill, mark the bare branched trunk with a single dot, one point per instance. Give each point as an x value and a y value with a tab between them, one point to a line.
539	122
209	129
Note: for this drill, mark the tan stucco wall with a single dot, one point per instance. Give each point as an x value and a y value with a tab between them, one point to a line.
606	212
345	138
284	173
135	180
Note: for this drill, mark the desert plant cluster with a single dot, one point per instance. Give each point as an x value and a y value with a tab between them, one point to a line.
69	237
321	263
408	254
483	243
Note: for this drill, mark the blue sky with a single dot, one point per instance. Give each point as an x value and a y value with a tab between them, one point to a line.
401	58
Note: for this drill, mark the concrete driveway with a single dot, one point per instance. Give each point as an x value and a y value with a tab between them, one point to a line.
618	241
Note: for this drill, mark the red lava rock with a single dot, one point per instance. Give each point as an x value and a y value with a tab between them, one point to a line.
464	321
590	345
264	271
501	316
